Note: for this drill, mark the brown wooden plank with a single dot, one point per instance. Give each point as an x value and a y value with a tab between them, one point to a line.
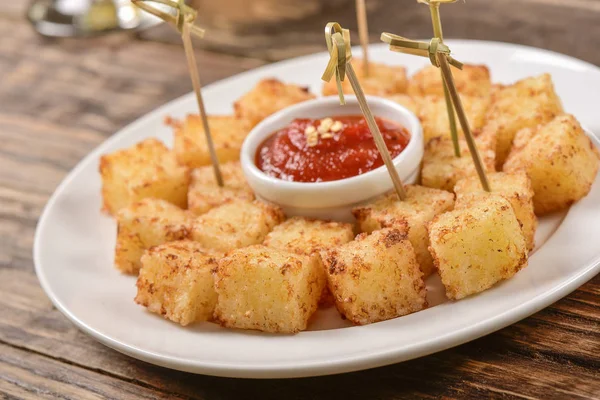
28	375
97	84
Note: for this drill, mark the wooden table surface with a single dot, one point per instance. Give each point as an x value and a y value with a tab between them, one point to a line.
59	99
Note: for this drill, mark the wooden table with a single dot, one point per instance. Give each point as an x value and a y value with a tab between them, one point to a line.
59	99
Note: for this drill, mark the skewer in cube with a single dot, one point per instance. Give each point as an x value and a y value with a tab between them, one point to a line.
184	23
338	44
439	55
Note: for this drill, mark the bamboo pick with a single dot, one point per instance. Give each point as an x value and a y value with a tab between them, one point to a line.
439	55
434	9
184	22
363	33
338	44
462	117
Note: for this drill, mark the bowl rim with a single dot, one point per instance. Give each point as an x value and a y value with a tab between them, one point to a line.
257	135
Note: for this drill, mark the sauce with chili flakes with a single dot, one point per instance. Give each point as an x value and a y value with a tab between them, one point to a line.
309	150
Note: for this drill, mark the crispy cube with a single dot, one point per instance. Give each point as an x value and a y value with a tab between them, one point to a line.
204	193
383	80
525	104
308	236
190	146
413	104
375	277
238	223
176	282
147	169
473	248
516	188
413	213
560	159
144	224
268	97
472	80
267	289
434	115
441	169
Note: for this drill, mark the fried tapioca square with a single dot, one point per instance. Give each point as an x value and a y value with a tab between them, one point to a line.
473	248
434	116
472	80
144	224
147	169
204	193
190	146
441	169
375	277
383	80
268	97
176	281
515	187
560	159
267	289
413	213
236	224
524	104
307	236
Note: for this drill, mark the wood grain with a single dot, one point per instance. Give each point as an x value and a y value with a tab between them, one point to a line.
60	99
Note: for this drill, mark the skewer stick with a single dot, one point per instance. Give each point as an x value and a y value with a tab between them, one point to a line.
184	22
193	68
439	55
434	8
363	33
445	67
379	142
338	43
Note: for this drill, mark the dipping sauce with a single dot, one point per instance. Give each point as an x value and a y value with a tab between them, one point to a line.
328	149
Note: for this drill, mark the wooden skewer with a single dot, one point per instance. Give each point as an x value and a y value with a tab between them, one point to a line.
195	76
434	8
340	54
462	117
363	33
184	23
374	128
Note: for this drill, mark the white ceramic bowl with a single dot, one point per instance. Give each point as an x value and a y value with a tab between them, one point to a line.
333	199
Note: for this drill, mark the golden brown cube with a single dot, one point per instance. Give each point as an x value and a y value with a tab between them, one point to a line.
204	193
525	104
476	247
375	277
308	236
147	169
472	80
176	281
238	223
434	115
144	224
516	188
413	213
383	80
228	134
412	103
268	97
267	289
441	169
560	159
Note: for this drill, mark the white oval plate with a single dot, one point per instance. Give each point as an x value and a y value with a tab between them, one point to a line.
74	245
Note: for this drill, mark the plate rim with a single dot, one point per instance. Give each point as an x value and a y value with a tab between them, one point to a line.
301	368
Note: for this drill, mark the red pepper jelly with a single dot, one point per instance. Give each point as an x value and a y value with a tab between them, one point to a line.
329	149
